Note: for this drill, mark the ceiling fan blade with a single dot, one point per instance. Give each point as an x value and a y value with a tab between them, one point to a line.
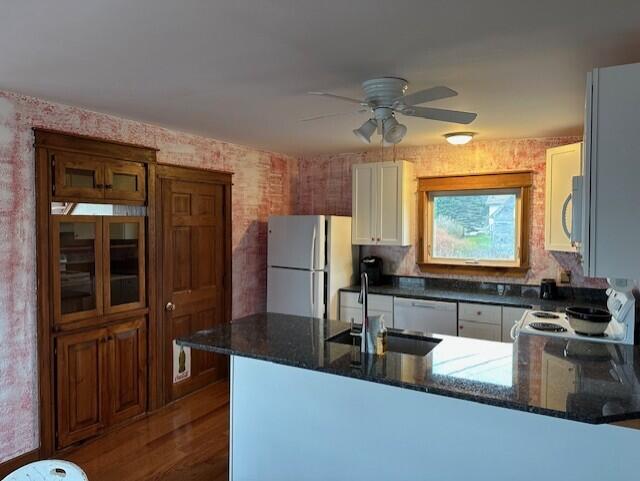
340	97
443	115
337	114
427	95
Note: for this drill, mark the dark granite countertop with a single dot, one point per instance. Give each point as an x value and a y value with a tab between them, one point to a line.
457	295
577	380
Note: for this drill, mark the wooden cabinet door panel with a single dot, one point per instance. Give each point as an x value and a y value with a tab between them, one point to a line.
127	370
193	251
81	385
124	181
124	263
76	266
77	176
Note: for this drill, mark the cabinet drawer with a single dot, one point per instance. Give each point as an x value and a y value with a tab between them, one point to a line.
376	301
480	313
479	330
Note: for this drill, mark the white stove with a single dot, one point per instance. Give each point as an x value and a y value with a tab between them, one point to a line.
621	305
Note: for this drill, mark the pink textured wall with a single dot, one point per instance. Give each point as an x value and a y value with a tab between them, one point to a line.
264	183
325	188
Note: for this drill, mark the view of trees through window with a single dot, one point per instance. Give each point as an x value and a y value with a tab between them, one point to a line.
474	226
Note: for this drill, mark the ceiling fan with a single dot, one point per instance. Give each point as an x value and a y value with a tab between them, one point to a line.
385	96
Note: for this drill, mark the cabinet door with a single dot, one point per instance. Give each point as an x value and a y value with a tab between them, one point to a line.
389	213
127	370
350	314
364	203
479	330
124	263
124	181
80	385
563	163
76	268
77	176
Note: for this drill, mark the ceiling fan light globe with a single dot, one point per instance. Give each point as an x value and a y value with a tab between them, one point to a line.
366	130
394	131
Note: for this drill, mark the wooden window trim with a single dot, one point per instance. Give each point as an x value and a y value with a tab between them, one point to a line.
521	181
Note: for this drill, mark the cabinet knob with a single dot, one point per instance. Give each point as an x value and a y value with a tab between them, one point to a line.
170	306
108	186
99	186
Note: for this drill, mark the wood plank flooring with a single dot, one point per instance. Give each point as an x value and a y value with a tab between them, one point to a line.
186	441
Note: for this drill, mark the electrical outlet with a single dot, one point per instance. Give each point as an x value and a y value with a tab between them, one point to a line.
565	276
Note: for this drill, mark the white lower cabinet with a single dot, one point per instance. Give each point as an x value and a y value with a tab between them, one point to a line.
479	330
351	309
476	321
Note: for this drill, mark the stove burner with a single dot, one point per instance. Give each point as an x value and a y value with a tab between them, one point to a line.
546	315
547	327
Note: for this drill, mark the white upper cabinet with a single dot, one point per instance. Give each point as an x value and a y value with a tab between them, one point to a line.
364	203
382	201
563	163
611	196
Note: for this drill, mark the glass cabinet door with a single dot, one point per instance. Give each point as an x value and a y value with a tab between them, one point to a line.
125	181
123	245
77	267
77	176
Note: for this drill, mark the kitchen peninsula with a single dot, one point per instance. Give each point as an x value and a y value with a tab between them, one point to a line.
306	407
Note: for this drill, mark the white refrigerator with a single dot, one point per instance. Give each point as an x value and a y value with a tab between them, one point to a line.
310	257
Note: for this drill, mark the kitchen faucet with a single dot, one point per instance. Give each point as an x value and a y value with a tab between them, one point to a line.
364	300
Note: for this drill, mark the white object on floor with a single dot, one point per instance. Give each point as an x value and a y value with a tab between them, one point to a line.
48	470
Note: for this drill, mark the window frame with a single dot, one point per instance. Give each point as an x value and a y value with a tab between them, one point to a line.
518	182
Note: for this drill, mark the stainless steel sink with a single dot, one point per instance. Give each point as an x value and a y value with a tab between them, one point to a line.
397	341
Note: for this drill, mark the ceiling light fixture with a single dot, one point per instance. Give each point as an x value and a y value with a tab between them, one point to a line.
394	131
459	138
366	130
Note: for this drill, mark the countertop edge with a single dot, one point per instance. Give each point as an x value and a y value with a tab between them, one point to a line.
433	390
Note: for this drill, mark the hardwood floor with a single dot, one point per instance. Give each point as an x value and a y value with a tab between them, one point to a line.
186	441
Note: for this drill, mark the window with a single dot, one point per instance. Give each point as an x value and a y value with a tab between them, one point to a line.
475	221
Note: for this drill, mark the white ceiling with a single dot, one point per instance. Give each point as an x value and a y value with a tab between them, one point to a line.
238	70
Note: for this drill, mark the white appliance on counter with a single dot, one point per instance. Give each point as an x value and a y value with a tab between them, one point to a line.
309	258
435	317
620	303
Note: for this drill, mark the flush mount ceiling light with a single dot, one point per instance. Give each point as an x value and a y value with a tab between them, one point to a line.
394	131
366	130
459	138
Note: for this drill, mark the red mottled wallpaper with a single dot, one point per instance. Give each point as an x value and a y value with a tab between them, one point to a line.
325	188
264	183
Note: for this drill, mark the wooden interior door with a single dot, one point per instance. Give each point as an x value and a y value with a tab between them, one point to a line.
81	385
127	370
193	274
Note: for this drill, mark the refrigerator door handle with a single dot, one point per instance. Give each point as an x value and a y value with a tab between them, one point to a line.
313	249
312	298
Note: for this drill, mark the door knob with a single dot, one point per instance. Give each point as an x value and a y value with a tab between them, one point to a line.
170	306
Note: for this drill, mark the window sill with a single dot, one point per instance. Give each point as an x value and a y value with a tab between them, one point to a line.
472	270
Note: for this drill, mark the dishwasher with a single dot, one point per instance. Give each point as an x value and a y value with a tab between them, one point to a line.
425	316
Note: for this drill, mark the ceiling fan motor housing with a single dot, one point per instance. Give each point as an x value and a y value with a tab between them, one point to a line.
382	91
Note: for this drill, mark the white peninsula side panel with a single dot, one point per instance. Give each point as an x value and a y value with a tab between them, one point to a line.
294	424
